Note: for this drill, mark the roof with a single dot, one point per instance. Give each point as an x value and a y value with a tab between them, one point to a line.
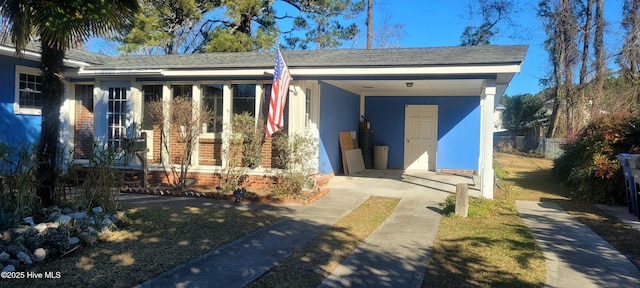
440	56
362	58
70	54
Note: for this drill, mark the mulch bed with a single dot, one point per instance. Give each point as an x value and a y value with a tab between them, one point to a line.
308	197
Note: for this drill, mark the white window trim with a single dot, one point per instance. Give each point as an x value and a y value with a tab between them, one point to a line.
208	135
16	103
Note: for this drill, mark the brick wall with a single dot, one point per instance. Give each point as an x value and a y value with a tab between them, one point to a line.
210	152
83	137
157	138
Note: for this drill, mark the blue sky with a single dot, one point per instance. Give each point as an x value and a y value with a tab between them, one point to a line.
433	23
437	23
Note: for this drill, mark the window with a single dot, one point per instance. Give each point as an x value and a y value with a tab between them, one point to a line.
182	91
117	116
151	93
244	98
307	107
212	100
266	89
28	91
84	93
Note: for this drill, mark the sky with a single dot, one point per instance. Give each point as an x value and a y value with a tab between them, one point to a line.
437	23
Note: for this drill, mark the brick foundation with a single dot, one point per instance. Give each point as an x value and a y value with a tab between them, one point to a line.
458	171
214	179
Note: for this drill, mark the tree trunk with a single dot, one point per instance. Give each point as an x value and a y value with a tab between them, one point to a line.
586	41
369	24
52	93
598	46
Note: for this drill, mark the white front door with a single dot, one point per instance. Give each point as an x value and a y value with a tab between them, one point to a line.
420	137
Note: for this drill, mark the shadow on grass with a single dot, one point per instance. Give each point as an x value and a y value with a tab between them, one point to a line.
454	264
160	236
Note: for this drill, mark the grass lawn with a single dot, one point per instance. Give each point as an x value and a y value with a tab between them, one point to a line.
493	248
490	248
315	261
158	239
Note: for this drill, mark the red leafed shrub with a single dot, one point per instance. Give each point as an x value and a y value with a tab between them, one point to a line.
589	163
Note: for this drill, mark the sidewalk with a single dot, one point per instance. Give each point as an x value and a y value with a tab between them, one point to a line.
238	263
575	256
394	255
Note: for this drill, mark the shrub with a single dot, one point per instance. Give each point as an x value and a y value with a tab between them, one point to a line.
295	152
17	183
243	152
101	186
589	164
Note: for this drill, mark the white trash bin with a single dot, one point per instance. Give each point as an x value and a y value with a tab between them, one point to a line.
380	157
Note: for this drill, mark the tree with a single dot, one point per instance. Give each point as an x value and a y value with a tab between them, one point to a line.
385	33
598	46
559	21
187	123
321	21
58	25
237	32
369	24
493	13
193	26
521	111
629	59
165	27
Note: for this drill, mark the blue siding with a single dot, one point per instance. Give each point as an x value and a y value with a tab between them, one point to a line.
458	128
15	129
339	111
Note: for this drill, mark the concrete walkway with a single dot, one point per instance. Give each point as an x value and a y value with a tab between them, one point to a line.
397	252
575	255
394	255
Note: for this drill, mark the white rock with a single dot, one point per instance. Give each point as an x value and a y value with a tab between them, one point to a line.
9	268
41	227
54	215
120	214
24	258
29	220
97	209
107	223
53	224
39	254
4	256
79	215
63	220
74	240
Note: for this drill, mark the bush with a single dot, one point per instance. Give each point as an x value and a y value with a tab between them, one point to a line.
295	176
589	164
17	183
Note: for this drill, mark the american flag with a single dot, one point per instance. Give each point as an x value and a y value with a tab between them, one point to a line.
279	92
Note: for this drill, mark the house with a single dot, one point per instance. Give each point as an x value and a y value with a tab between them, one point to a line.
433	107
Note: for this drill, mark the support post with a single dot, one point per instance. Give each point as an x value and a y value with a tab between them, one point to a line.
462	200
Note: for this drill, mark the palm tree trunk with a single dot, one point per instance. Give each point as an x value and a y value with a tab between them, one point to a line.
52	91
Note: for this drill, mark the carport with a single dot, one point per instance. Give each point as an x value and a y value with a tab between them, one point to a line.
433	107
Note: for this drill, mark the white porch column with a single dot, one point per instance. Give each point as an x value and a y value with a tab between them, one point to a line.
486	139
166	129
227	110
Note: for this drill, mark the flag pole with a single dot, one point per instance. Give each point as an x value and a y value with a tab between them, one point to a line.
279	93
